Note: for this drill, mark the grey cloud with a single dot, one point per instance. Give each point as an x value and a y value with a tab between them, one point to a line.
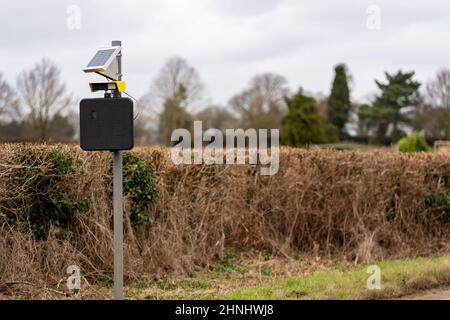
229	41
247	7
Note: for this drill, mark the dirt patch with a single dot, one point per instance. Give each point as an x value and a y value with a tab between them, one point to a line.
437	294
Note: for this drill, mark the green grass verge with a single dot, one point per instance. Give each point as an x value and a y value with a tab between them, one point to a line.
398	278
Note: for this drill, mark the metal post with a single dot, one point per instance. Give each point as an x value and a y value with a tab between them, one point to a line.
119	60
118	226
118	206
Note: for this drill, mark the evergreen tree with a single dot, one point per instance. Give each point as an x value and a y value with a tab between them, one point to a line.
174	116
339	106
388	113
302	125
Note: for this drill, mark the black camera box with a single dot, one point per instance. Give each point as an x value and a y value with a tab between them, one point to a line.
106	124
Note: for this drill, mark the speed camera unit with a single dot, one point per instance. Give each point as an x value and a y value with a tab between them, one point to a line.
107	124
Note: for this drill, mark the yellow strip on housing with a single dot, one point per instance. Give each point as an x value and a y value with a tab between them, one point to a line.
119	86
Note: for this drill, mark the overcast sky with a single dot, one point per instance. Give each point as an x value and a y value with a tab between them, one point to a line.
229	41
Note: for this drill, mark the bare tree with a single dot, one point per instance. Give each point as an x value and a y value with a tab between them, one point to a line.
145	122
43	94
262	104
438	90
175	78
433	116
9	103
217	117
176	88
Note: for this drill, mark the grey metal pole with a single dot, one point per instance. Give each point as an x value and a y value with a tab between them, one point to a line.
118	226
118	206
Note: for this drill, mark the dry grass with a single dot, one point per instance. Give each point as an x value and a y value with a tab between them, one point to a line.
357	206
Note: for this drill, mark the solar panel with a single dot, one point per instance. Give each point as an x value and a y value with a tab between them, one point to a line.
101	57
